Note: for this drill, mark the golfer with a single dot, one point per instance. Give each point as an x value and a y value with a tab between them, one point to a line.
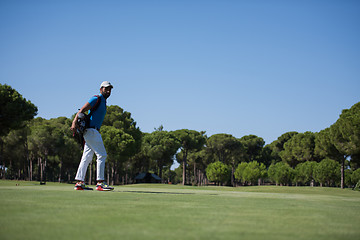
93	140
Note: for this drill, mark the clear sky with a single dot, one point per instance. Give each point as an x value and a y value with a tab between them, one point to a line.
237	67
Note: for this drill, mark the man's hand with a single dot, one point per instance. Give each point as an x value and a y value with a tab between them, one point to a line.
73	125
85	108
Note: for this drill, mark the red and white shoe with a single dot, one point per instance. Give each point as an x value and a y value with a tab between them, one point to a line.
81	186
103	187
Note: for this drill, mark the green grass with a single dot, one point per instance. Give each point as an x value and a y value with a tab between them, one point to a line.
56	211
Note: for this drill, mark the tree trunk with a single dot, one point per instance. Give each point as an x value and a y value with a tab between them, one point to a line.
195	174
30	169
39	170
112	175
342	173
160	166
184	167
199	177
26	166
232	176
108	174
43	170
160	172
2	160
61	163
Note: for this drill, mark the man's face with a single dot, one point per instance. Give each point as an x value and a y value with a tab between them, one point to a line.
105	91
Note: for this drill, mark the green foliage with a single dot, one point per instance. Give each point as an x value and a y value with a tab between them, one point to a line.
355	176
161	146
239	172
355	161
197	161
253	147
15	147
118	144
218	172
122	140
250	172
50	142
266	156
345	135
15	110
324	146
118	118
304	172
327	172
48	148
278	145
357	187
345	132
178	175
281	173
228	150
222	145
299	148
190	140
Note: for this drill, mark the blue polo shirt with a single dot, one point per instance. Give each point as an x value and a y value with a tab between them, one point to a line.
97	117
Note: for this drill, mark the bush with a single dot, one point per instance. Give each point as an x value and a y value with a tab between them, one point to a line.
239	172
357	187
304	172
250	172
281	173
327	172
355	177
218	172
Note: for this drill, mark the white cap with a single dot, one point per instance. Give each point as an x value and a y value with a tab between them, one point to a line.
106	84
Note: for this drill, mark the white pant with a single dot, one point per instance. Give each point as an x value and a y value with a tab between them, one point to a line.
93	144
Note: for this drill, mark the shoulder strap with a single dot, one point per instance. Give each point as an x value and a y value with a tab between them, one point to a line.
93	109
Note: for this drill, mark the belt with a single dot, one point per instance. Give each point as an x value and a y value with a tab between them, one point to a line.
95	128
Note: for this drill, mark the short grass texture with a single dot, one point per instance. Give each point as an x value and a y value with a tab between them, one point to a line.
54	211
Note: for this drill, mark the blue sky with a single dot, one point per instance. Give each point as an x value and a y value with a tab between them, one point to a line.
236	67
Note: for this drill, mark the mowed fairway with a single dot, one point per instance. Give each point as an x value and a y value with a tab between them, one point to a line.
56	211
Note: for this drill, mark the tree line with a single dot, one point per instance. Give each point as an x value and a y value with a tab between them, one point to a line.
45	150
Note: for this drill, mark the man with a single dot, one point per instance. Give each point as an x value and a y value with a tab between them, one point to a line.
93	140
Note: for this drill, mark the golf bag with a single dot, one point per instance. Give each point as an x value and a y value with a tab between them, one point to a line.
83	122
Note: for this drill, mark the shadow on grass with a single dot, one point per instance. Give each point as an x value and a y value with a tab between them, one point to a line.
162	192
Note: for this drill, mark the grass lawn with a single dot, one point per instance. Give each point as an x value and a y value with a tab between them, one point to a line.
54	211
